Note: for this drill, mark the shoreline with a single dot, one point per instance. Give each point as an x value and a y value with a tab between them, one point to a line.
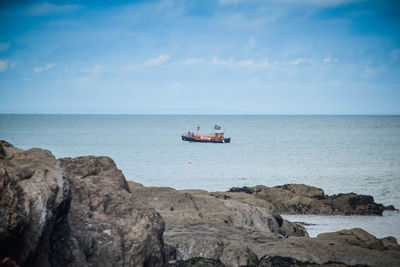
83	211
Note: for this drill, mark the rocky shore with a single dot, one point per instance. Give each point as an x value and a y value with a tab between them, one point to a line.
82	212
304	199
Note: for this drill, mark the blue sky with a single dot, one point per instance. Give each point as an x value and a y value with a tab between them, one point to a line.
206	57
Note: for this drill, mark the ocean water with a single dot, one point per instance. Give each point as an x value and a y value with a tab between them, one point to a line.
339	154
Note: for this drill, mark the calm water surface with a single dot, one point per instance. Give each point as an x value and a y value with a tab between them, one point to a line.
336	153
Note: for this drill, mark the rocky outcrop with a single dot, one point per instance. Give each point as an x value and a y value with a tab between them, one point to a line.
240	229
73	212
185	207
33	197
214	226
82	212
108	226
304	199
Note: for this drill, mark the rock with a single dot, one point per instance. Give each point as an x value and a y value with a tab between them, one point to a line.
390	242
200	224
354	237
82	212
197	262
303	199
390	207
241	229
8	262
73	212
180	207
33	197
108	226
332	249
243	189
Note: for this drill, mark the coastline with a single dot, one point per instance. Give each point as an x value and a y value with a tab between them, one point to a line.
83	211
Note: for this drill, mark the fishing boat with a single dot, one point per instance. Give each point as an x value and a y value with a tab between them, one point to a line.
217	137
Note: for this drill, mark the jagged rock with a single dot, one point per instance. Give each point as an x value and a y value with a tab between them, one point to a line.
108	226
390	207
81	212
180	207
347	247
303	199
200	224
240	229
33	196
73	212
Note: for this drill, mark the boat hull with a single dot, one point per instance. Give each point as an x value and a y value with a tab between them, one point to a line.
192	139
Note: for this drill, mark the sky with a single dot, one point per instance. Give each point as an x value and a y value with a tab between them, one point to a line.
200	57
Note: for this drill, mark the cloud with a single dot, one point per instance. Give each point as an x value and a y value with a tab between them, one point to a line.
46	67
48	9
5	64
216	61
298	61
329	59
4	46
96	69
192	61
246	62
157	61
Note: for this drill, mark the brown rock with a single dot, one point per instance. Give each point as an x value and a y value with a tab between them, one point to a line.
80	212
354	237
32	194
108	226
304	199
73	212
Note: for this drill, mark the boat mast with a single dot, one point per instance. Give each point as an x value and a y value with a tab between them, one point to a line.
198	128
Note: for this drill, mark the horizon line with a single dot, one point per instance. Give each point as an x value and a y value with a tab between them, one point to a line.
210	114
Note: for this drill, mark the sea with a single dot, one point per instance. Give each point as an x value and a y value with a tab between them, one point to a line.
337	153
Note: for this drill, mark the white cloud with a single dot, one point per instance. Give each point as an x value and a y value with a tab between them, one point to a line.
46	67
328	59
222	62
192	61
246	62
157	61
4	46
47	8
96	69
3	65
298	61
